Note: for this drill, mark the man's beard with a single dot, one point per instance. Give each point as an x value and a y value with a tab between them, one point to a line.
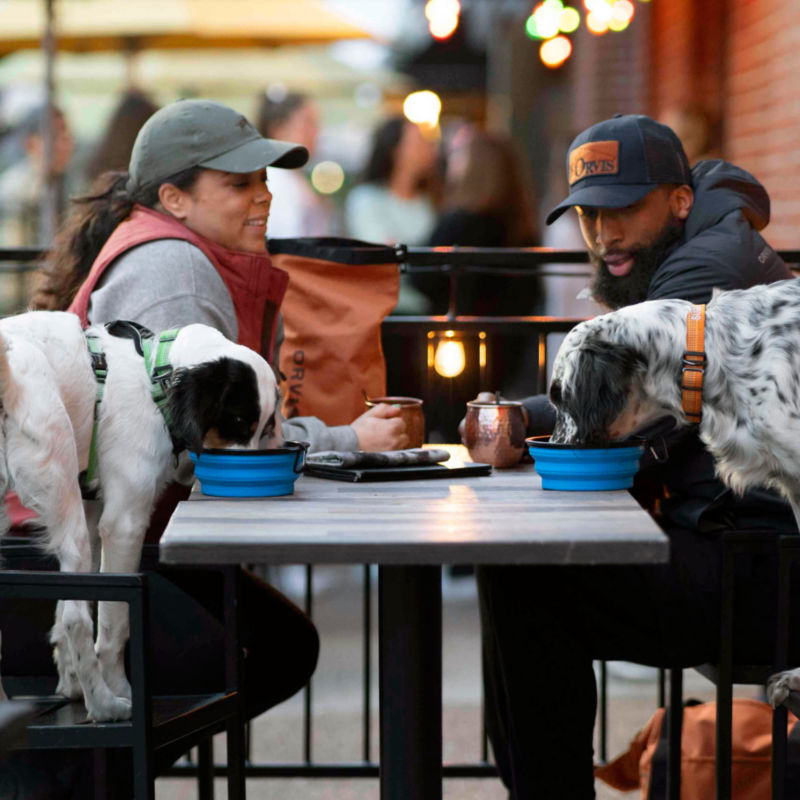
616	292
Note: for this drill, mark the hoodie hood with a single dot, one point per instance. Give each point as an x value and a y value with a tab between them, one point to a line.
719	188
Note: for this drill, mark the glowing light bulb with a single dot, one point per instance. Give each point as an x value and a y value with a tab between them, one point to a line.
423	108
449	359
555	52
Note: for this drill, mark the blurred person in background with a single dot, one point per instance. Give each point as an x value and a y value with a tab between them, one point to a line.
487	202
24	181
395	200
113	149
298	210
696	129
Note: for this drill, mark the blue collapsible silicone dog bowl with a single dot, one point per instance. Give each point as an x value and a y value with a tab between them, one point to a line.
250	473
575	467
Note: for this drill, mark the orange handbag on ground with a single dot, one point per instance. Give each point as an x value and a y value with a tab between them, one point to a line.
339	292
644	765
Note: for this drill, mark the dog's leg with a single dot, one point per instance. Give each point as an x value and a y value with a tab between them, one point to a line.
68	683
126	513
46	480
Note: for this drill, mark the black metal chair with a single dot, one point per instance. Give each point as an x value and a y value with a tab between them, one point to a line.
157	721
726	672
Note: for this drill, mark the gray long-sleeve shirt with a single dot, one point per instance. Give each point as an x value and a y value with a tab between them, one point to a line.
169	283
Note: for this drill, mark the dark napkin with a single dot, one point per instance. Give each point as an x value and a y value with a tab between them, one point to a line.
387	458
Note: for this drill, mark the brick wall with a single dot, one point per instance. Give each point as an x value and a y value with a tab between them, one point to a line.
738	61
762	109
609	73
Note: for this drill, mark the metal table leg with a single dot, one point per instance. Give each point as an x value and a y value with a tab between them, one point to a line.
410	652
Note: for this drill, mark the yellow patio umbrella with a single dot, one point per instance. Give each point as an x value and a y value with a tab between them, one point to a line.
135	25
95	25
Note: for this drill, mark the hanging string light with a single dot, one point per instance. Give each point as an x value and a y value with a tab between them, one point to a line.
552	21
442	16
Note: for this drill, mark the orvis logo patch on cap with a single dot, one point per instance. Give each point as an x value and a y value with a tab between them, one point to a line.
593	158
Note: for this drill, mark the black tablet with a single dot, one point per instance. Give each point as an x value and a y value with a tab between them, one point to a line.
408	473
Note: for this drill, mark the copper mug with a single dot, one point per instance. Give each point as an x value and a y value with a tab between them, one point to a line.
410	411
494	432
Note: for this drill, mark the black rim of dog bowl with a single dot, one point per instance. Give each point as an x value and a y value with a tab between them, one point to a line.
544	441
298	448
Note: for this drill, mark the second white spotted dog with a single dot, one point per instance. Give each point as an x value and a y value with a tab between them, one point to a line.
619	372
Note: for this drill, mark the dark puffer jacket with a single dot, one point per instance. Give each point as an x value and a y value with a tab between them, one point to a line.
720	248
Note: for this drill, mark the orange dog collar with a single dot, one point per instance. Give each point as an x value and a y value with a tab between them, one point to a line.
694	362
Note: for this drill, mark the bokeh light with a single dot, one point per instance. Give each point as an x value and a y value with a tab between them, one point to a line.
555	52
621	15
546	17
442	17
596	22
569	20
327	177
423	108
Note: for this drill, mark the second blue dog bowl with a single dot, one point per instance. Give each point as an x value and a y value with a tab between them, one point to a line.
574	467
250	473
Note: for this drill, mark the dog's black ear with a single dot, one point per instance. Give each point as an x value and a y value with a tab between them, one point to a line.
220	394
189	407
599	388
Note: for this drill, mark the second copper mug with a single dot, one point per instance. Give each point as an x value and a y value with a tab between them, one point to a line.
495	432
411	412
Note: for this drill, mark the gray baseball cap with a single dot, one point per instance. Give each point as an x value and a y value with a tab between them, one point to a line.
202	133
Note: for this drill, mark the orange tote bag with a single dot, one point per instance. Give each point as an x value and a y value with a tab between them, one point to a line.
339	292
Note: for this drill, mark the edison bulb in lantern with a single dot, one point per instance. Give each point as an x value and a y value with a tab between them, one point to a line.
449	359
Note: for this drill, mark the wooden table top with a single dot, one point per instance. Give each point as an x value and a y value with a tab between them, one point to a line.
505	517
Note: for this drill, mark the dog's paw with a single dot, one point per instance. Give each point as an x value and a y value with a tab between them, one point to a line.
117	682
780	684
69	686
107	709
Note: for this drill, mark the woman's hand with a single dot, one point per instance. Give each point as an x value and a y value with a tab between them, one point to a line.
381	428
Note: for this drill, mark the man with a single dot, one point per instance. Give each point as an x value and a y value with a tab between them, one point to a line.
654	229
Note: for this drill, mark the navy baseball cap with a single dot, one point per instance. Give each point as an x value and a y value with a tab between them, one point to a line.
615	163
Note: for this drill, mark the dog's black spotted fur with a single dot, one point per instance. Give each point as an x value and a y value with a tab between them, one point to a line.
221	395
751	389
621	371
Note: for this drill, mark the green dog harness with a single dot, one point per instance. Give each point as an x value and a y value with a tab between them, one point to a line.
155	352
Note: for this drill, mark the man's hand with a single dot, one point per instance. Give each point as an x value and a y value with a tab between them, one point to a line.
381	428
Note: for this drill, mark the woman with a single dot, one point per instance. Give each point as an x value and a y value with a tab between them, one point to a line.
297	209
394	203
180	239
487	203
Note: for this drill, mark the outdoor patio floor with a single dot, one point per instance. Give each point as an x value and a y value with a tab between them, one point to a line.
337	693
